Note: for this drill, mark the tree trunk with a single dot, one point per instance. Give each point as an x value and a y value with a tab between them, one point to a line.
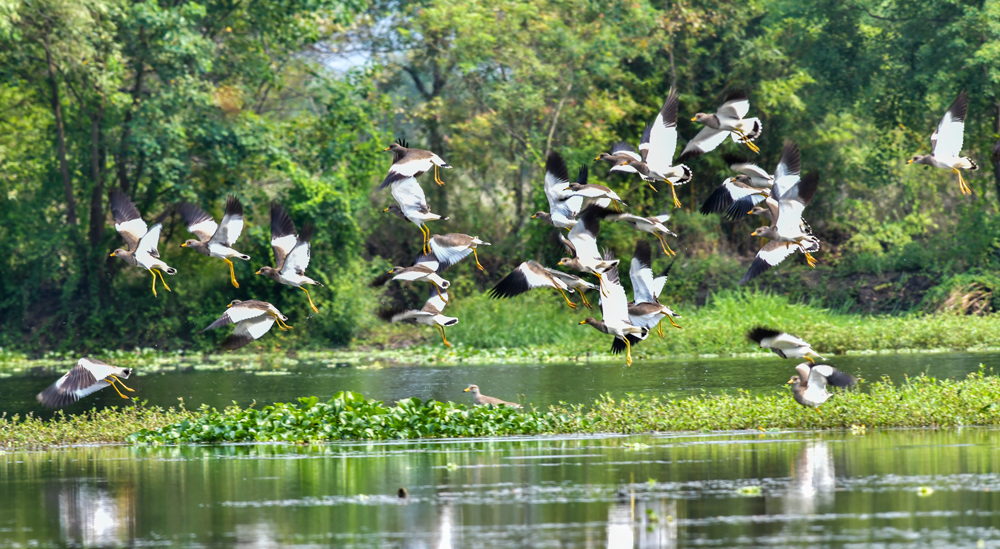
121	158
97	177
61	135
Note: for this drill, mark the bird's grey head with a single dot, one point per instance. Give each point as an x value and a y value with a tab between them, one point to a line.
267	271
196	245
571	263
761	211
473	388
544	216
396	148
765	232
919	159
589	320
605	157
234	302
741	178
124	255
796	380
700	117
396	269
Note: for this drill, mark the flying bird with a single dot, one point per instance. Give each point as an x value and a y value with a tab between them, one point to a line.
659	142
809	387
728	121
563	205
407	162
215	239
530	275
411	205
614	311
947	143
87	377
141	242
451	248
252	318
653	225
426	268
291	253
782	344
429	315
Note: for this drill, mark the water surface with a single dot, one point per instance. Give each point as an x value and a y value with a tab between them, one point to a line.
539	384
897	488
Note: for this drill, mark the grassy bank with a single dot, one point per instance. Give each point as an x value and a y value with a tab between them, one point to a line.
916	402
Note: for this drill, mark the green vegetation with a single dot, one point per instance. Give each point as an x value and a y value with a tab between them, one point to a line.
917	402
294	101
110	425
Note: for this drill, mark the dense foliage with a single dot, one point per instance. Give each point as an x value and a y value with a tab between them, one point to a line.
295	100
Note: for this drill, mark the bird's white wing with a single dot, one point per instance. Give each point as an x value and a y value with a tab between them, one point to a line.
232	223
448	255
584	242
737	192
663	136
410	315
792	202
297	260
623	168
770	255
198	221
254	327
409	193
641	273
736	105
556	179
128	222
658	284
149	241
948	137
623	148
99	369
750	169
411	275
817	377
436	301
787	172
706	140
614	306
786	341
526	276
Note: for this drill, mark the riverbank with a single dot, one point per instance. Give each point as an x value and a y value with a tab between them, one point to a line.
913	403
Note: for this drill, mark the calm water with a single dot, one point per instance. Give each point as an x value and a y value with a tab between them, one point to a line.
541	384
883	489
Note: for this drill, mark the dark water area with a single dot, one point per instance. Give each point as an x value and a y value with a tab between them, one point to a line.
538	384
896	488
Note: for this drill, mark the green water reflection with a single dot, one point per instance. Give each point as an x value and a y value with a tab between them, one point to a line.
891	488
540	384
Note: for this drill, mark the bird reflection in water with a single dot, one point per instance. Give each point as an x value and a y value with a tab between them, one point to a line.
93	516
813	481
640	523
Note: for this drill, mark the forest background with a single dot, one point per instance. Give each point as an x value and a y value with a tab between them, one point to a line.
295	100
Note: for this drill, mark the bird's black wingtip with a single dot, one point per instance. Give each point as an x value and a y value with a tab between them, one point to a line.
758	333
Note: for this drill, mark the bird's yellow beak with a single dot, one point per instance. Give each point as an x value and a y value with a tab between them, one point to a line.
910	161
257	273
184	245
753	233
228	306
694	118
385	149
466	390
534	216
566	189
790	381
583	322
750	212
385	210
112	254
598	157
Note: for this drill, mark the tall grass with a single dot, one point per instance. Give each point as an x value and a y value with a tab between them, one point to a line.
542	319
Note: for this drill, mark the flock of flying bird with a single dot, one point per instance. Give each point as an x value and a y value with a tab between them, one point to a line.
577	206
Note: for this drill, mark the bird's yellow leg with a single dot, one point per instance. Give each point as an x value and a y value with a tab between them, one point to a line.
152	272
163	280
583	298
436	178
232	273
650	183
659	328
475	255
116	389
810	359
600	278
566	297
123	384
628	352
439	293
309	297
666	247
747	142
674	324
615	203
810	259
441	329
677	203
281	324
961	182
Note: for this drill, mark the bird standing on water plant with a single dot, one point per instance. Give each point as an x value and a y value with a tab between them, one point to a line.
482	400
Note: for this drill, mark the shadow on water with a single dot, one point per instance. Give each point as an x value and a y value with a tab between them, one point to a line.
889	488
539	384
